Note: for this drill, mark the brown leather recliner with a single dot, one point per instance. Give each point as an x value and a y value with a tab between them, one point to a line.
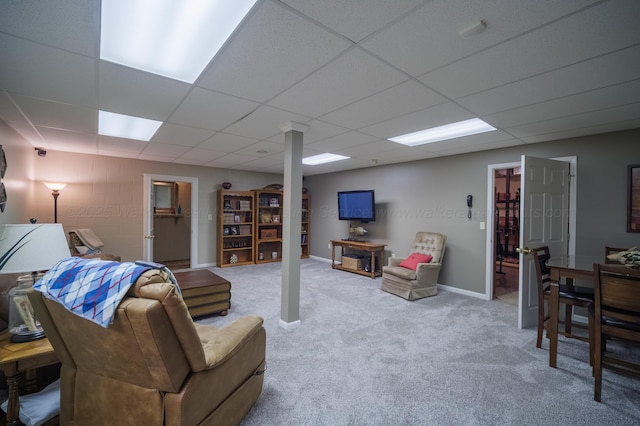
153	365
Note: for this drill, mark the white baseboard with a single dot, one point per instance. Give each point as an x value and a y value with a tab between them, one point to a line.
321	259
289	325
463	291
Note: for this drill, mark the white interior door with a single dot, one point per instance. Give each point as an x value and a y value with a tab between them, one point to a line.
544	220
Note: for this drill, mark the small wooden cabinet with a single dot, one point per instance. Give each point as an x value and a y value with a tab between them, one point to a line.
268	226
235	228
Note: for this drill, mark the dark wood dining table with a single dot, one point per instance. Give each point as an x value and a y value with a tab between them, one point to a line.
571	268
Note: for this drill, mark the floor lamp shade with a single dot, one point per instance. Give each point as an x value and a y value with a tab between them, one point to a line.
28	249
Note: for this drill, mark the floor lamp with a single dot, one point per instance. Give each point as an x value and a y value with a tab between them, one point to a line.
55	191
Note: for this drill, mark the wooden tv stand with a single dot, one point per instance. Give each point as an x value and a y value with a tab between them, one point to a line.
372	249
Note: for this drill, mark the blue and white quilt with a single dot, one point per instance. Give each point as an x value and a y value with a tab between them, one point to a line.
90	288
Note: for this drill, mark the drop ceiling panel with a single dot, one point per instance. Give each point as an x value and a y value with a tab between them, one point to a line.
602	71
65	24
59	115
608	97
129	91
61	140
602	117
529	54
165	150
275	49
254	150
317	130
351	77
430	117
461	149
8	110
181	135
235	159
355	19
371	150
430	39
343	141
210	110
227	143
200	156
633	123
404	98
264	163
28	131
111	146
44	72
263	123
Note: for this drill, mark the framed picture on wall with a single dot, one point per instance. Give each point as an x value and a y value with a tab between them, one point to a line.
633	208
3	163
3	197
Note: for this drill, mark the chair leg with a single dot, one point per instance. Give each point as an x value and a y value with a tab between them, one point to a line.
597	373
540	325
592	349
568	309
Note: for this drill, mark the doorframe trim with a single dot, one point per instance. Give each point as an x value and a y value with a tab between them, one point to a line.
147	213
490	238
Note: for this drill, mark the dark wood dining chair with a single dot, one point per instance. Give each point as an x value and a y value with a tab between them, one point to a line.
608	250
616	311
570	295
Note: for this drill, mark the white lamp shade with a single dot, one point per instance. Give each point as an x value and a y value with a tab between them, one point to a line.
32	247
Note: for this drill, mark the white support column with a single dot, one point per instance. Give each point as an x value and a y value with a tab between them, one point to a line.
291	225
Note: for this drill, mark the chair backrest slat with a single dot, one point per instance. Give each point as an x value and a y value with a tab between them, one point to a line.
617	292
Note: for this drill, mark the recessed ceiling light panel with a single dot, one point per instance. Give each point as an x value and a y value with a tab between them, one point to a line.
126	126
322	159
173	38
442	133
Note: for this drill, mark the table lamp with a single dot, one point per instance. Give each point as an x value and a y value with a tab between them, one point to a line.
29	249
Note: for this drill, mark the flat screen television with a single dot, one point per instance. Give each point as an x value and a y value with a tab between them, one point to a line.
357	205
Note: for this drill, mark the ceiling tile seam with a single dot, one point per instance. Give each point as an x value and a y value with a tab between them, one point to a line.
555	118
582	92
542	73
17	107
48	46
312	21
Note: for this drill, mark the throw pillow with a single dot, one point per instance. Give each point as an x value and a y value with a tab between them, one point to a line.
630	259
617	257
412	261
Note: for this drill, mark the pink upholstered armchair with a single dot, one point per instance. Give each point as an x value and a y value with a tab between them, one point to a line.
421	282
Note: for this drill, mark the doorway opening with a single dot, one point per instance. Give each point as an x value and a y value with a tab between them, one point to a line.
507	234
172	224
171	220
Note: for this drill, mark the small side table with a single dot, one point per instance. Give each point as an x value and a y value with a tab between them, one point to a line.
18	357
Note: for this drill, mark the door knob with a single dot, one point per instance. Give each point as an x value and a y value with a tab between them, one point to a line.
525	250
149	237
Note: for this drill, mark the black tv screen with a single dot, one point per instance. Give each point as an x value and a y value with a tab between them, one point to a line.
357	205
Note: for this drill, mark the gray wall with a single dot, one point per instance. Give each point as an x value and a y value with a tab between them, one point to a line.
430	195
